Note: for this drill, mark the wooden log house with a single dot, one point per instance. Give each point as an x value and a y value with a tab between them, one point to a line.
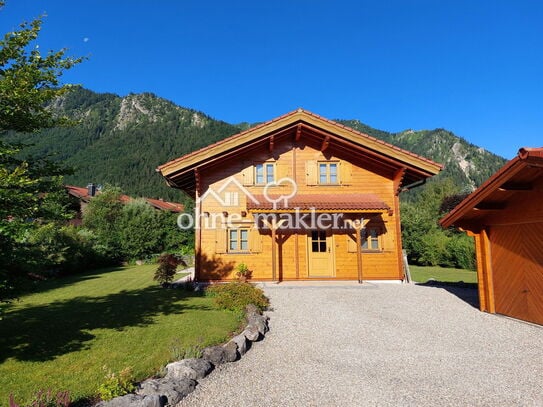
505	216
299	197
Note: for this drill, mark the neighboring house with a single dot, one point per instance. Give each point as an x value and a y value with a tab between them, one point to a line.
505	215
299	197
84	195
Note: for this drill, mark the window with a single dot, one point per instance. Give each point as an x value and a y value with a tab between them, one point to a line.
264	173
238	240
370	239
328	173
318	241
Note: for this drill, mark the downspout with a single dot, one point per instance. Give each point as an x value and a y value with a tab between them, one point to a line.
413	185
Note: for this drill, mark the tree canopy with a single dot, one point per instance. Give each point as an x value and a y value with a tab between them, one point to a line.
28	81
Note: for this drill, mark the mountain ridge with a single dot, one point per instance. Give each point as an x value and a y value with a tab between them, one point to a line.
121	140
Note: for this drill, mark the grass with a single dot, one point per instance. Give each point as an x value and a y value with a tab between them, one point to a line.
61	337
443	274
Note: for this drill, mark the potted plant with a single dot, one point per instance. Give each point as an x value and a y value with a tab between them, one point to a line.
243	272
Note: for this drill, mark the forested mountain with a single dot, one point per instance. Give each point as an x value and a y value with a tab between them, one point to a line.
466	164
121	140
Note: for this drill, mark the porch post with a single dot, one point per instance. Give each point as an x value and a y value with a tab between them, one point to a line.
359	225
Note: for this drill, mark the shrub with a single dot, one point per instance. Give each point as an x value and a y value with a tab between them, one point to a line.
63	249
116	384
243	272
46	399
236	296
461	249
167	265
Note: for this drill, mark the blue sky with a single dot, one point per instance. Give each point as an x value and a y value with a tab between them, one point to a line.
474	67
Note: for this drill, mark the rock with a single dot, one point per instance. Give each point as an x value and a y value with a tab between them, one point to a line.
134	400
251	309
173	390
251	333
231	351
259	322
241	342
139	262
214	354
189	368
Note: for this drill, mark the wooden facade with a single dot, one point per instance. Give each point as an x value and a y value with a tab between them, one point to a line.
298	198
505	216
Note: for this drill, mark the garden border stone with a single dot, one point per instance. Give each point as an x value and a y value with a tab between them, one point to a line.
182	376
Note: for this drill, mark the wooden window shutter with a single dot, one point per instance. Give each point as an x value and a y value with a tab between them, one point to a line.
345	173
247	174
221	241
255	241
282	170
311	172
351	242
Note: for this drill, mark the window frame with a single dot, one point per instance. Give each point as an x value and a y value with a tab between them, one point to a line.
238	240
328	173
265	166
369	232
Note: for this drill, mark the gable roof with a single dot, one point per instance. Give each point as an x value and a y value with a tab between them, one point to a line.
513	178
83	194
179	173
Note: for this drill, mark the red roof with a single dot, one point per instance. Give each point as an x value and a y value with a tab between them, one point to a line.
83	194
344	202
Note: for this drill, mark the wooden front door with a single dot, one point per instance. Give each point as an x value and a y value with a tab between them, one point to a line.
320	252
517	268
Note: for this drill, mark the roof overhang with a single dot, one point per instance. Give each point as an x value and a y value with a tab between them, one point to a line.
309	203
182	172
515	177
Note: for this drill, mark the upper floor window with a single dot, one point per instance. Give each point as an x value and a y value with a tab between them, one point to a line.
328	173
264	173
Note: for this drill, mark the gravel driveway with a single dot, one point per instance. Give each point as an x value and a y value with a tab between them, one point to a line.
380	345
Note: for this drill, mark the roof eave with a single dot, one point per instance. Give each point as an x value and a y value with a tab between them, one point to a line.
525	156
189	161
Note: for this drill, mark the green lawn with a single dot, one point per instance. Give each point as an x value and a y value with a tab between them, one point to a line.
423	274
62	337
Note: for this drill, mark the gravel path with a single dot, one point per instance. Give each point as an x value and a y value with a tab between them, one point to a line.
379	345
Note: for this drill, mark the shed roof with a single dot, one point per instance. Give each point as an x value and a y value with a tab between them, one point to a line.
515	177
180	172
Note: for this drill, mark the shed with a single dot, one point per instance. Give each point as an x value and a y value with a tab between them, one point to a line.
505	216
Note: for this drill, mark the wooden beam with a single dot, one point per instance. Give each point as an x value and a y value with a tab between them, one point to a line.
325	143
298	133
272	139
397	179
358	225
489	206
488	272
274	225
513	186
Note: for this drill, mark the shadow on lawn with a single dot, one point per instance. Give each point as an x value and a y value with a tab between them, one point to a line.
39	286
467	292
43	332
